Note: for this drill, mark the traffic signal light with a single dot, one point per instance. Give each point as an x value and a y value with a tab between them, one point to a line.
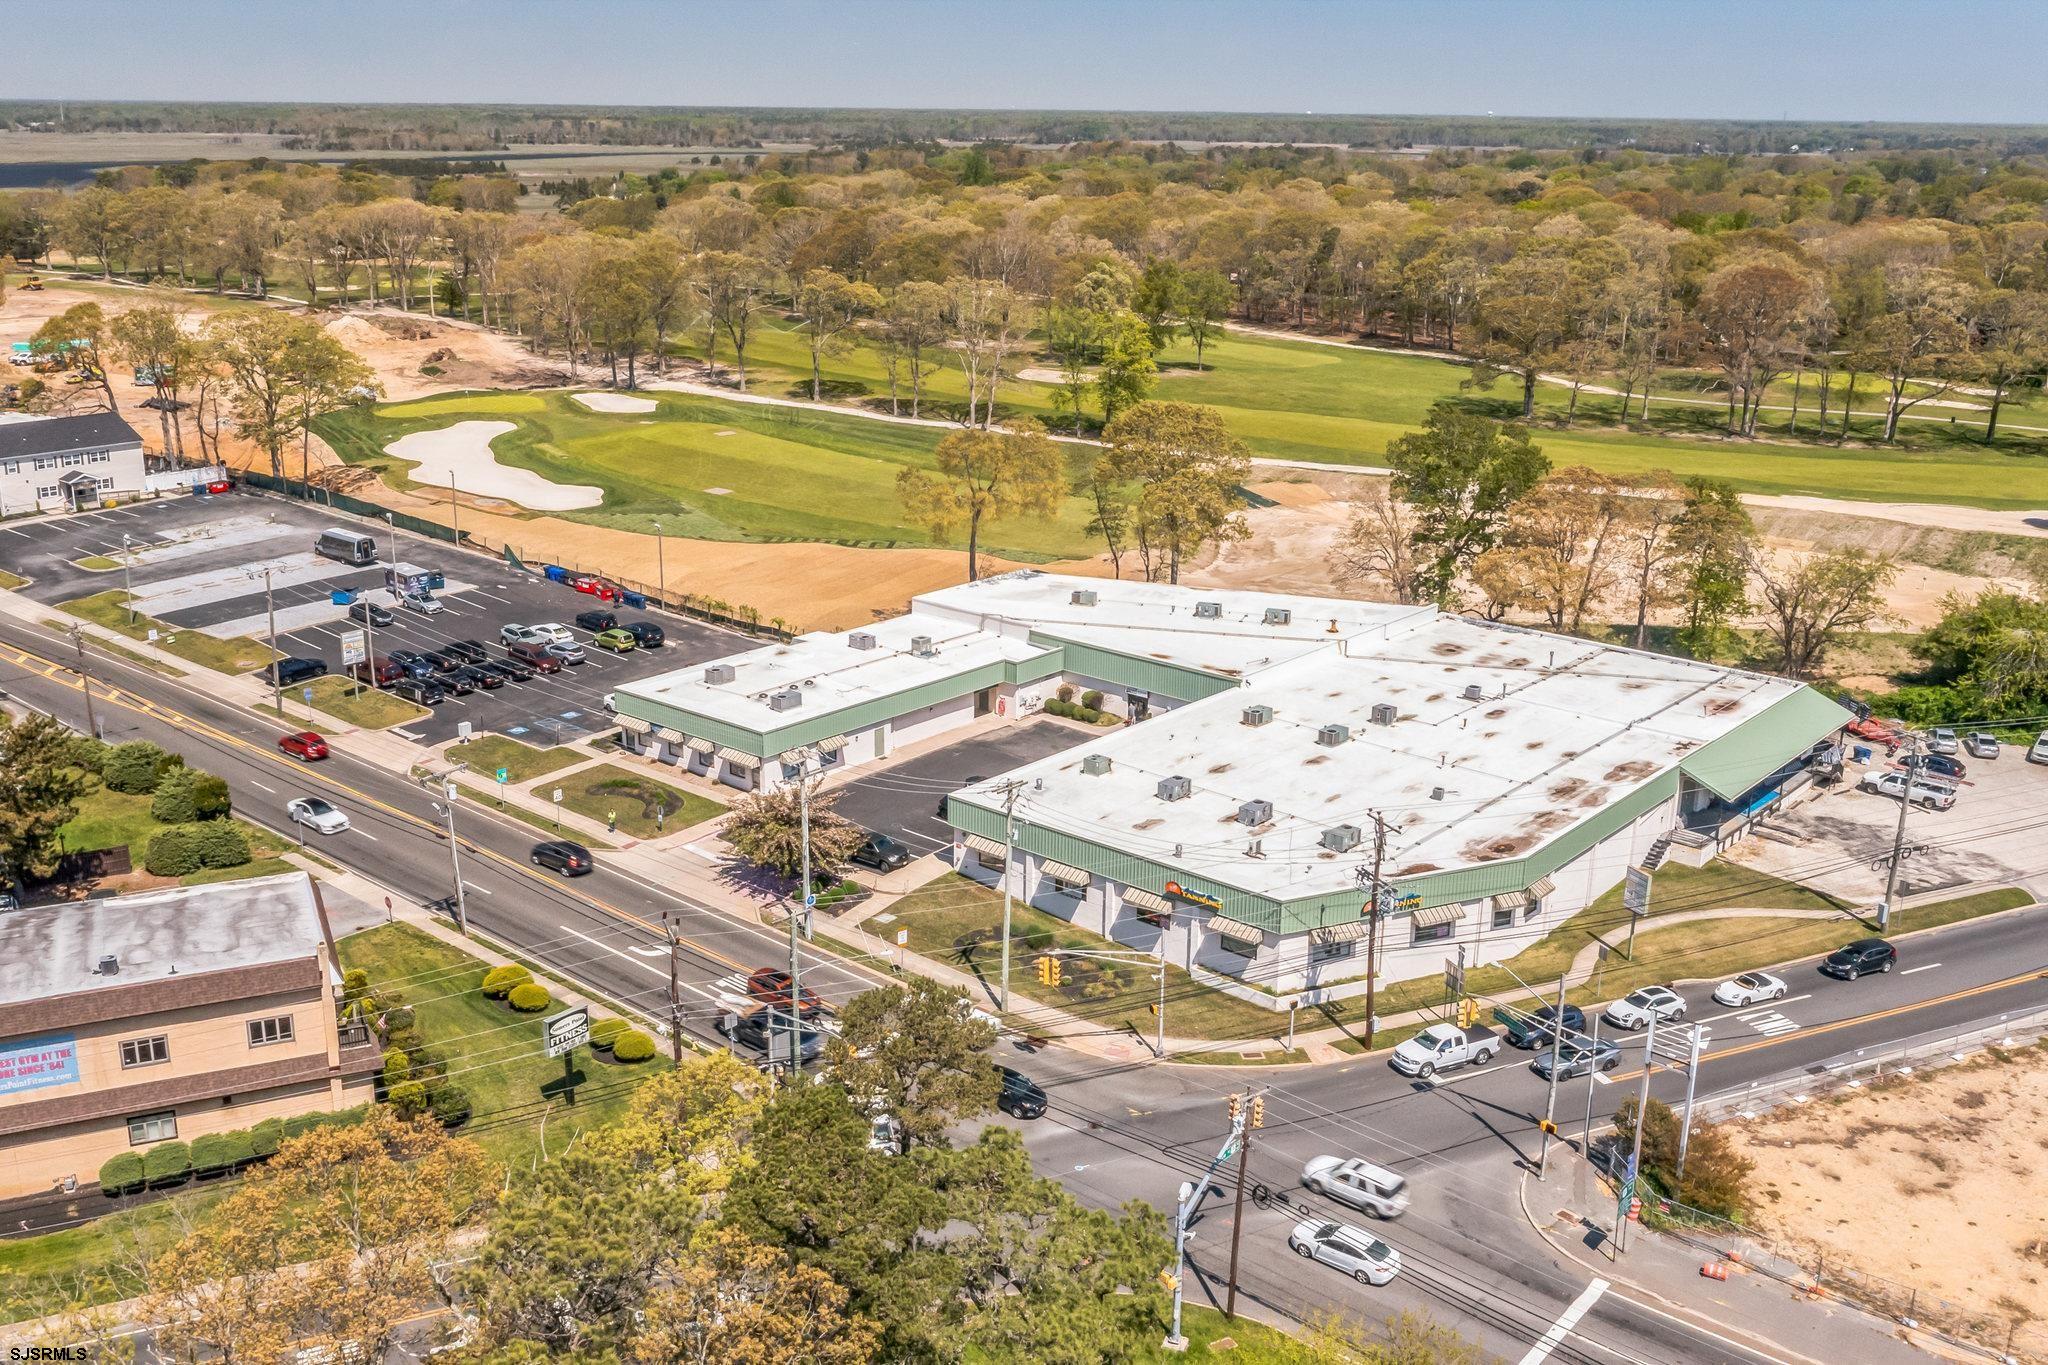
1169	1281
1236	1108
1258	1111
1546	1126
1049	970
1468	1013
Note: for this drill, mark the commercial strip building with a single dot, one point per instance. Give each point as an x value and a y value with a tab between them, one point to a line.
1519	773
171	1014
50	464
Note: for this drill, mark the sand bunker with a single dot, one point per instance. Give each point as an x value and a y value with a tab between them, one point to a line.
462	454
614	402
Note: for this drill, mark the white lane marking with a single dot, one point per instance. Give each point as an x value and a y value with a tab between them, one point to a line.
472	886
1602	1079
641	963
254	783
12	532
651	952
1760	1005
1770	1023
1928	968
1569	1319
493	596
365	833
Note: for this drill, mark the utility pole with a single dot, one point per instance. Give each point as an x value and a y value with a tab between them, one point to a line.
1010	790
1692	1072
1191	1197
447	813
660	568
1550	1103
1586	1135
127	581
1891	875
454	511
1159	1045
1374	909
675	998
276	674
796	912
92	724
1255	1117
1635	1160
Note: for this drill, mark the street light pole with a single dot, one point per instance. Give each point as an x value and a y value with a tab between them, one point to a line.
1550	1103
447	813
1159	1046
276	673
1010	790
1586	1136
92	724
127	582
1635	1159
801	910
660	568
1191	1200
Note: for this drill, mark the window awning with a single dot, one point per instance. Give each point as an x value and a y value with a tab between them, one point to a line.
1065	872
1540	888
698	746
981	843
738	759
832	744
670	736
633	725
1337	933
1511	900
794	757
1236	928
1151	902
1439	914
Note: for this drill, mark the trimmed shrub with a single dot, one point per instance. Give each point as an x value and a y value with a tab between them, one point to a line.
241	1147
451	1106
396	1019
167	1163
1092	699
499	981
397	1067
121	1174
605	1032
298	1125
172	853
529	998
407	1040
355	984
186	795
89	753
136	767
211	1154
1064	692
632	1046
408	1099
265	1136
220	845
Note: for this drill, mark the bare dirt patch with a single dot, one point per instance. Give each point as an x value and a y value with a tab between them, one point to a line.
1949	1187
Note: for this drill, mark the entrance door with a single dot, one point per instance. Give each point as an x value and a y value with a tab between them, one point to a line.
1138	705
984	701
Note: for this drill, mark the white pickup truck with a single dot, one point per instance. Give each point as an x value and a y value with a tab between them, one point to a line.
1441	1047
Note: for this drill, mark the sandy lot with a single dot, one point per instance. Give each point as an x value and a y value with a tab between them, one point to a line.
615	402
461	456
1937	1182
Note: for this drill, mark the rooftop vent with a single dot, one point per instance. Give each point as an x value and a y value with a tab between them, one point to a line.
1342	838
1083	597
1208	611
1175	789
1255	812
1474	692
1094	765
1330	736
1436	793
788	699
1383	713
1257	715
110	965
860	639
1278	616
921	646
719	673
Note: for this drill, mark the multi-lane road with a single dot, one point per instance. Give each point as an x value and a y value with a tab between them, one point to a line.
1120	1131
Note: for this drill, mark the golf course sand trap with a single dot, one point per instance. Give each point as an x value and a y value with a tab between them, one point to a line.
614	402
462	455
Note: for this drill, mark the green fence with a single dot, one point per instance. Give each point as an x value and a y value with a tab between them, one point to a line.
342	502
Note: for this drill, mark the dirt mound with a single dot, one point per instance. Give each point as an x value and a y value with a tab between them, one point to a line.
403	327
437	355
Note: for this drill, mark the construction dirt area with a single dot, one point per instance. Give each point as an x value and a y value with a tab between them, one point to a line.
1934	1182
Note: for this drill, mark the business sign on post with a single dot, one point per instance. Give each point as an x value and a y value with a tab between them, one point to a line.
1635	892
568	1030
34	1063
352	651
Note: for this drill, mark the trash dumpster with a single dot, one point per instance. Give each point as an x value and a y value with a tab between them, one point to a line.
556	573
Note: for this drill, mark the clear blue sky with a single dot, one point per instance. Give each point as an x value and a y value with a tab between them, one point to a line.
1963	60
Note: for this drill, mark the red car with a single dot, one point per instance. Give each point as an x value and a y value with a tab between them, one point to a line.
305	746
595	586
770	986
219	486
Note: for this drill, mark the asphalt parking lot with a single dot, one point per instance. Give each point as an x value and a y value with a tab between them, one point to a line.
903	799
199	562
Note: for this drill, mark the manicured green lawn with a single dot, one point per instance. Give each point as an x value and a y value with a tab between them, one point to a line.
97	563
341	698
603	791
109	818
522	762
238	655
959	922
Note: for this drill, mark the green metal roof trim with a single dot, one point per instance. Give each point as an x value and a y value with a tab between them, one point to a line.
1129	670
1753	750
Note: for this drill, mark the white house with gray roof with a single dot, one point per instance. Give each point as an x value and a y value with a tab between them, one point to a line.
51	464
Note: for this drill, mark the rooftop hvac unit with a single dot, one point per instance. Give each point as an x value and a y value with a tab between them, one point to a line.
1175	789
1342	838
1257	715
1083	597
1095	765
1278	616
1474	692
1436	793
860	639
1208	611
921	646
1330	736
788	699
1255	812
110	965
1383	713
719	673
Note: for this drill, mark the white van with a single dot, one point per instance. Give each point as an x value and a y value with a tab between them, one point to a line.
2039	753
1923	791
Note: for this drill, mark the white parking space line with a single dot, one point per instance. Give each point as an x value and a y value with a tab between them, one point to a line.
12	532
1927	968
1567	1320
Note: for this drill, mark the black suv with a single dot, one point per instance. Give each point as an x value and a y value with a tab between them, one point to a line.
456	681
571	860
511	670
1862	956
646	633
287	672
489	679
1020	1098
369	613
445	660
420	691
881	853
594	621
469	651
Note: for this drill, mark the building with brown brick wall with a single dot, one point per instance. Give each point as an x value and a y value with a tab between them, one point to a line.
171	1014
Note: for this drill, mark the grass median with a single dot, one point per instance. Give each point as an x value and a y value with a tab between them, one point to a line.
643	806
370	709
239	654
521	762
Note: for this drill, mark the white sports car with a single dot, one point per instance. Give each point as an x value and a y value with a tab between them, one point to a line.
311	810
1749	989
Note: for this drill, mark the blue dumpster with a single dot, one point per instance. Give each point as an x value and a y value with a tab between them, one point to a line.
1861	753
556	573
342	597
632	599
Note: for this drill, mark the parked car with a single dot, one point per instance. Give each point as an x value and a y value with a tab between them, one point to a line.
595	621
1936	765
647	633
470	651
1751	988
570	653
1373	1189
426	604
510	669
290	672
2038	751
770	986
216	486
1864	956
522	635
553	632
1927	792
1440	1047
1020	1097
456	681
383	673
1531	1028
305	746
1577	1056
1359	1254
1980	744
1636	1009
420	691
595	586
416	664
535	656
442	660
881	853
316	814
617	641
1941	740
560	855
477	675
370	614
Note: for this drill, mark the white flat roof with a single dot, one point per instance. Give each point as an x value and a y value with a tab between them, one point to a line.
1563	728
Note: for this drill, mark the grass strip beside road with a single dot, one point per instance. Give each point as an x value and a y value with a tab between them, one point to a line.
336	696
539	820
606	790
109	819
136	657
486	754
108	609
